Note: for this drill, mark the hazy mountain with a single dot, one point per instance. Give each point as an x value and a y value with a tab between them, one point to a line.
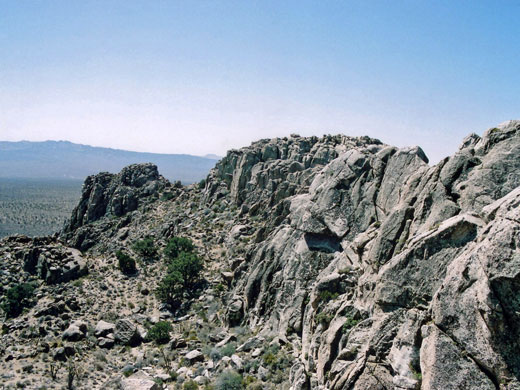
63	159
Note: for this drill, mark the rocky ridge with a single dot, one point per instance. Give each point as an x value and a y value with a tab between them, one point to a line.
330	263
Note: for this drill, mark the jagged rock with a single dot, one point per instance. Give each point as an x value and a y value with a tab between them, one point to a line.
126	333
108	194
194	356
237	362
227	340
59	266
177	342
139	381
76	331
63	353
235	312
104	328
444	365
251	343
106	342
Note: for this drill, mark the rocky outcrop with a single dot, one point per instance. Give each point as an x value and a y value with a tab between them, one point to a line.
330	263
371	259
45	258
111	195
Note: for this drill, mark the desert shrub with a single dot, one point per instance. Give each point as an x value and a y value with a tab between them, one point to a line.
323	318
228	349
229	380
349	323
160	332
176	245
190	385
145	248
17	298
167	196
184	270
326	296
215	354
248	380
126	263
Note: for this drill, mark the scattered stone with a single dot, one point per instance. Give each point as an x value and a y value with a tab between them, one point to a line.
76	331
104	328
139	381
194	356
126	333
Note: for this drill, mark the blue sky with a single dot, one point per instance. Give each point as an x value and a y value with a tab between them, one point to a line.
205	76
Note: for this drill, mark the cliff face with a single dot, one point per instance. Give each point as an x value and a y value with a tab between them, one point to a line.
369	268
111	195
379	266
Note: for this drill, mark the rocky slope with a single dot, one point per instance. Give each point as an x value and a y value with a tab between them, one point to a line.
330	263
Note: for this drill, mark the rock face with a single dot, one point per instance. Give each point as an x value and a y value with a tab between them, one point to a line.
108	194
387	270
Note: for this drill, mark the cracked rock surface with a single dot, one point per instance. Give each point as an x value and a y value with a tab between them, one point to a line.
329	263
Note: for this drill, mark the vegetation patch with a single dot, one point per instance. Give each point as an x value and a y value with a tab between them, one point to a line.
126	263
17	298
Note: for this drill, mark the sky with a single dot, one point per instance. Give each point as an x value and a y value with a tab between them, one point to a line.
203	77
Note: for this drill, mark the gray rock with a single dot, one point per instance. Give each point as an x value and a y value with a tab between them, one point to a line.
104	328
106	342
126	333
139	381
76	331
194	356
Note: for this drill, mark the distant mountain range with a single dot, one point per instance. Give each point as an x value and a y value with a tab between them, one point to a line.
66	160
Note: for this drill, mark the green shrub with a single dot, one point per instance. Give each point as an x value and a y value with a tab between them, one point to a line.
126	263
323	318
145	248
176	245
184	269
167	196
190	385
229	380
228	349
349	323
160	332
202	184
326	296
17	298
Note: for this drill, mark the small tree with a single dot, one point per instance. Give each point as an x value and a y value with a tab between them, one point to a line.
184	269
16	298
176	245
170	288
126	263
189	266
145	248
160	332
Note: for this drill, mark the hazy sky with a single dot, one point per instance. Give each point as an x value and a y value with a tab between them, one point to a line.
205	76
